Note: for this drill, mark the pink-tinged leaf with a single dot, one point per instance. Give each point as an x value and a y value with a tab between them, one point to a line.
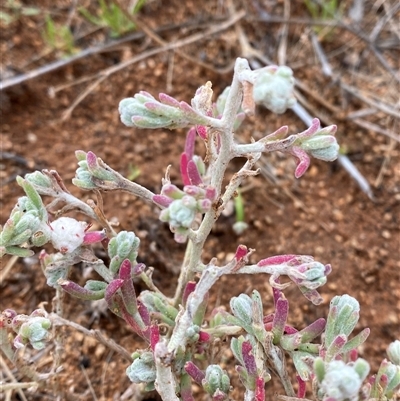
290	329
371	380
280	318
384	381
268	326
301	389
276	260
329	130
204	337
190	143
6	317
125	271
190	287
238	120
138	269
172	191
77	291
190	113
211	193
277	293
278	134
311	294
162	200
310	131
259	394
169	100
353	355
313	330
241	252
218	396
195	192
194	372
158	108
20	342
112	288
335	348
248	358
91	160
187	108
105	243
127	289
204	205
186	388
328	269
303	161
146	94
193	173
131	321
93	237
248	103
202	131
269	318
80	155
154	336
144	313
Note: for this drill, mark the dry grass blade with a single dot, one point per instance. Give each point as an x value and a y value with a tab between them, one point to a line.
59	321
4	272
14	385
89	383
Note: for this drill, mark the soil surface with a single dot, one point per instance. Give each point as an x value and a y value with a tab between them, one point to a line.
324	214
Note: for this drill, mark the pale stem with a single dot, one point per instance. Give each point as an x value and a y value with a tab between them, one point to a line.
75	202
182	280
58	335
165	381
184	320
208	278
218	169
102	270
249	395
238	178
136	189
279	365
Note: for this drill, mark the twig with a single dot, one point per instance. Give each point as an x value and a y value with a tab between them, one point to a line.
157	39
326	68
64	62
59	321
89	383
379	105
134	392
103	375
306	118
4	272
335	23
87	52
169	46
385	163
67	113
346	163
282	49
15	385
383	22
376	128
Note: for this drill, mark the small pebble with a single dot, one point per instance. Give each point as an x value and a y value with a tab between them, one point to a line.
338	238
